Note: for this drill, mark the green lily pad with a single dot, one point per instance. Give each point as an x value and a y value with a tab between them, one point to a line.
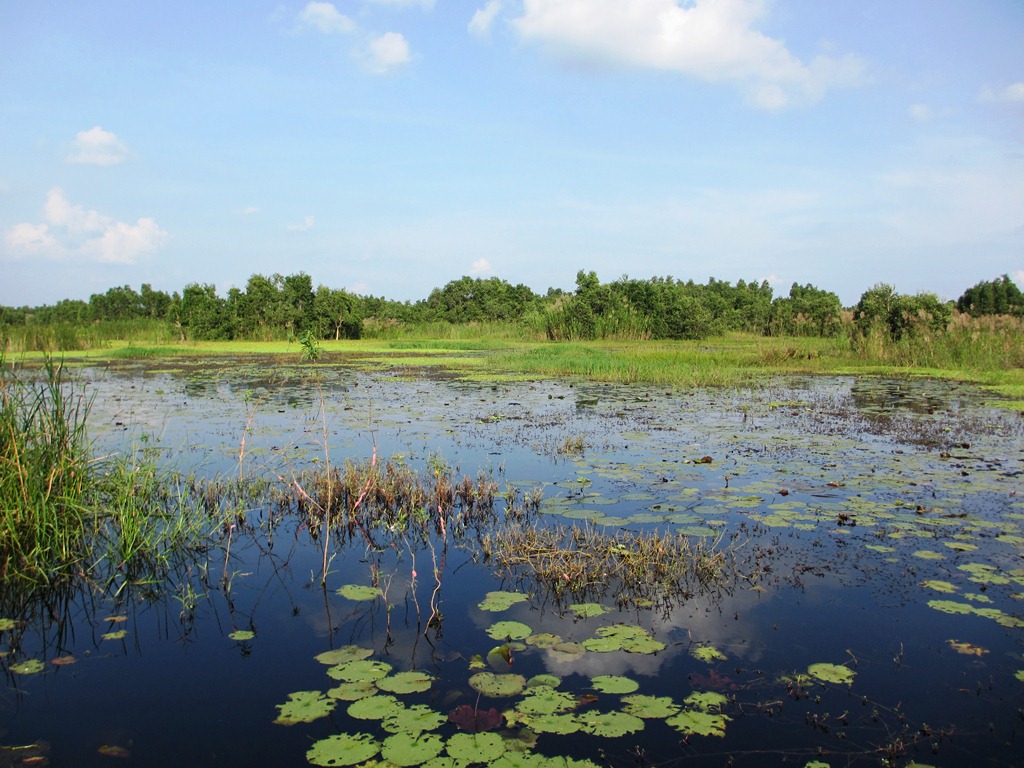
363	669
359	592
304	707
343	749
406	749
555	723
831	673
546	701
415	719
28	667
406	682
587	610
353	691
544	679
375	708
491	684
939	586
950	606
699	723
242	634
115	635
1020	675
6	624
614	684
610	724
650	707
500	601
543	640
569	648
343	655
509	630
706	701
708	654
475	747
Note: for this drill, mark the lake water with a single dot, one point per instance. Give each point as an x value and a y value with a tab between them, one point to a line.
876	618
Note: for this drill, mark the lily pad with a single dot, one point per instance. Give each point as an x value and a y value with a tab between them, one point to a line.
706	701
708	654
699	723
614	684
28	667
556	723
491	684
587	610
304	707
546	701
475	747
406	749
343	655
358	689
242	634
939	586
343	749
831	673
500	601
650	707
359	670
7	624
509	630
115	635
610	724
375	708
474	720
544	679
406	682
359	592
967	649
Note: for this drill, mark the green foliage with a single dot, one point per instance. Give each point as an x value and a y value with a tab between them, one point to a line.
994	297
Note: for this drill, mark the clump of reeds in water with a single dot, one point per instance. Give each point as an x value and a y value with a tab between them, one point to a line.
46	477
363	498
586	563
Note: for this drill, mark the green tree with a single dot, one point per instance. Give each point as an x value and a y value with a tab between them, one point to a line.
335	314
202	314
994	297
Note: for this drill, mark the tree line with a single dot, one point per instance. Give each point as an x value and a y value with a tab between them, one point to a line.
280	307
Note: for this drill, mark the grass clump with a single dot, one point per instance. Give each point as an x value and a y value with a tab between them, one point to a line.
582	563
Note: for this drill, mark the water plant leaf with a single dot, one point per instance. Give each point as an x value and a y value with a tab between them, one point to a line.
939	586
475	747
474	720
343	749
816	764
242	634
375	708
406	749
7	624
543	640
304	707
831	673
967	649
614	684
27	667
500	601
699	723
569	647
556	723
62	661
509	630
610	724
491	684
546	701
115	635
406	682
650	707
1020	675
706	701
415	719
544	679
363	669
587	610
343	655
359	592
708	654
950	606
358	689
114	750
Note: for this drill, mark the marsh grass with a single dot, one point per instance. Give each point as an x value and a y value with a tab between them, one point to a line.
583	562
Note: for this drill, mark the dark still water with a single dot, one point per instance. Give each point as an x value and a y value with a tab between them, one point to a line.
871	613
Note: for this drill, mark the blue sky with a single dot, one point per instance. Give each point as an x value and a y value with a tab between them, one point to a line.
390	146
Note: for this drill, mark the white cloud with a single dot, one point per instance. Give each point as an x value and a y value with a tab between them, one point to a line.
386	53
1011	94
482	21
70	231
1018	277
711	40
481	267
921	112
307	224
97	147
249	211
326	18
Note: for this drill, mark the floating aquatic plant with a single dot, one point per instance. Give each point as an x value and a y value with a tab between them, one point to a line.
359	592
406	682
509	630
27	667
708	654
408	749
491	684
831	673
242	634
343	749
475	747
304	707
343	655
501	601
614	684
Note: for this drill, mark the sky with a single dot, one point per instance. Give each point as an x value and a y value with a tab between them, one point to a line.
387	147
